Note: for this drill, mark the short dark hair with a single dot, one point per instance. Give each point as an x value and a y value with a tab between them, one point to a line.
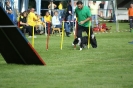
79	2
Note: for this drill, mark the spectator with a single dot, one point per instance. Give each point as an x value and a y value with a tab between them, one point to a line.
68	19
47	20
60	7
130	14
24	27
84	16
55	20
101	5
40	25
9	10
51	7
47	17
1	2
31	19
94	11
69	12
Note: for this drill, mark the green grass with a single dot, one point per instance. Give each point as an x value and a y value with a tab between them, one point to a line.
108	66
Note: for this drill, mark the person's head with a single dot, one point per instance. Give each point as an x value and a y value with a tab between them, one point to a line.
51	2
69	3
102	2
80	4
25	14
32	10
60	3
47	13
7	3
56	13
94	2
131	5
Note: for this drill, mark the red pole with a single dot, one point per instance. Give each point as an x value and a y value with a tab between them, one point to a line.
19	24
47	43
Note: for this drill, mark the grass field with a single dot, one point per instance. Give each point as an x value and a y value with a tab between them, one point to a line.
108	66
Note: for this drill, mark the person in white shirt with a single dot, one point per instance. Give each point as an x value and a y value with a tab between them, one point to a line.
94	12
55	20
51	7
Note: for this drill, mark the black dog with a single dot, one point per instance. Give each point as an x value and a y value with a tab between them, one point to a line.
83	41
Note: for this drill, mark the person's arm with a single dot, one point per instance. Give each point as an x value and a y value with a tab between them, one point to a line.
49	6
22	23
35	18
69	10
55	6
9	10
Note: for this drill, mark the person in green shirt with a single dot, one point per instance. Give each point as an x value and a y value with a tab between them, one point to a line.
83	15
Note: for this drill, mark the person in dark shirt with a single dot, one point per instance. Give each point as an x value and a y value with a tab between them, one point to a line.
68	18
24	27
101	5
1	2
9	10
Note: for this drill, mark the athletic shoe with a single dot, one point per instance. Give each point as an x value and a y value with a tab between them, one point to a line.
31	37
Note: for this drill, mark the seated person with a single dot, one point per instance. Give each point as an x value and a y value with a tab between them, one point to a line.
40	25
23	24
31	19
55	20
47	20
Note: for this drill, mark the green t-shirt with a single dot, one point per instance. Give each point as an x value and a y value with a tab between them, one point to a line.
83	14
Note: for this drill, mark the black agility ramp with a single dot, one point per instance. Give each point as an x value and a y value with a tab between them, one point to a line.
14	47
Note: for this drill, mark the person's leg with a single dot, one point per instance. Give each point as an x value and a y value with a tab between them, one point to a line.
86	29
93	19
29	29
79	31
58	26
93	41
131	23
70	22
96	20
67	28
41	28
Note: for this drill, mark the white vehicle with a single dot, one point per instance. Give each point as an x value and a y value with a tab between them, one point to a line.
122	14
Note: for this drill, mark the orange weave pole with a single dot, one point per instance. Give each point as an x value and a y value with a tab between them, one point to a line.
48	35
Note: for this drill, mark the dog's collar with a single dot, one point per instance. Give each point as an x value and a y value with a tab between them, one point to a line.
79	41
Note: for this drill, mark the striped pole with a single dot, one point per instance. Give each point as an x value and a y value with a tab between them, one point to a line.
47	42
45	29
62	38
33	37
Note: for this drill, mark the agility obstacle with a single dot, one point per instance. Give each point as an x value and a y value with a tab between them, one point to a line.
14	47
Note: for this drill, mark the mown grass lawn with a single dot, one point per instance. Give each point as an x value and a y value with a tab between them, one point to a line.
108	66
